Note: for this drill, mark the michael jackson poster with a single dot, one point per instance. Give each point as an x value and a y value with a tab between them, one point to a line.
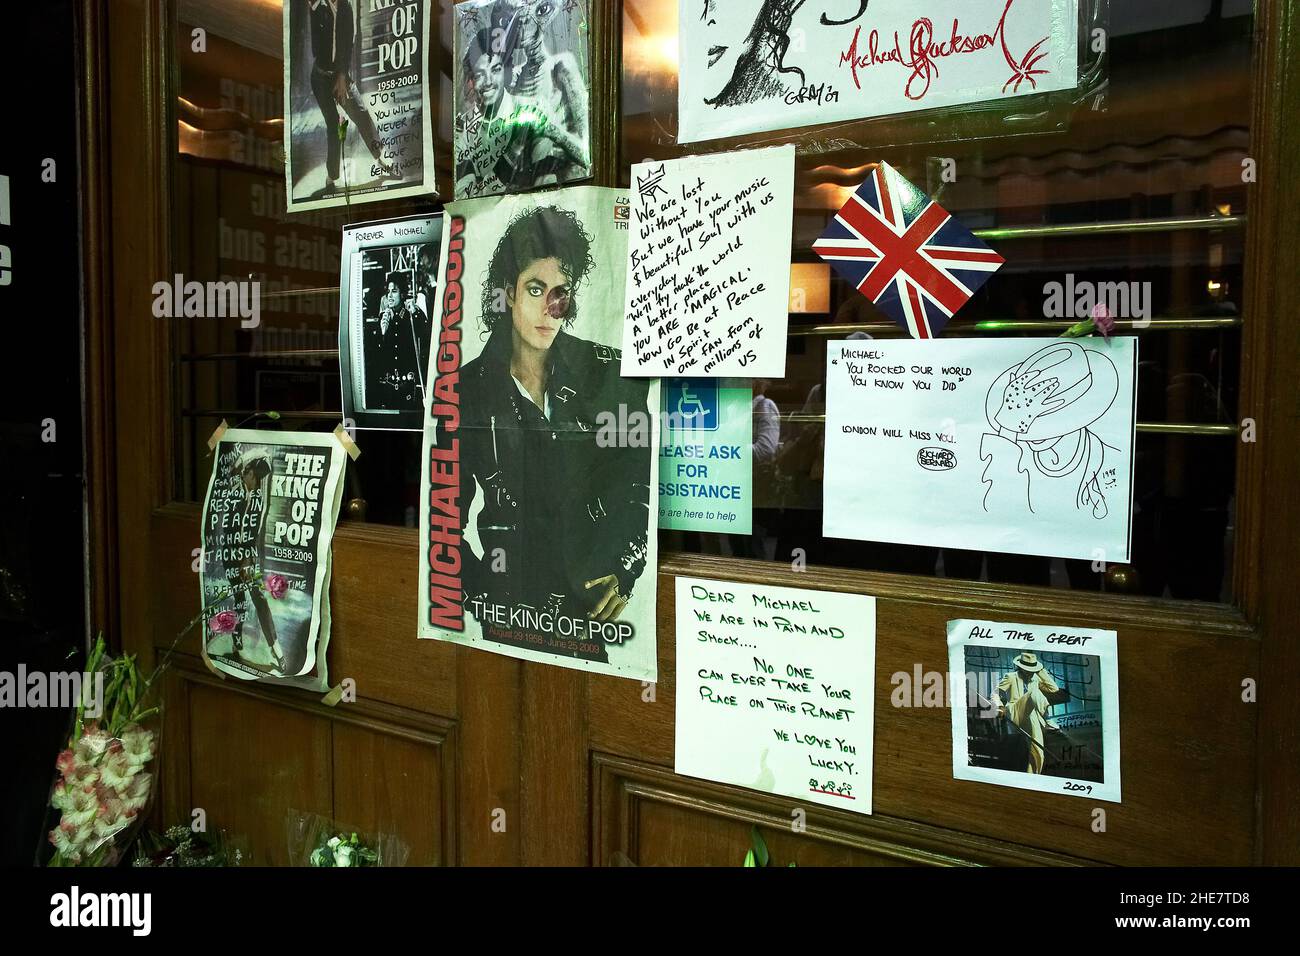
358	125
387	289
538	525
268	520
521	76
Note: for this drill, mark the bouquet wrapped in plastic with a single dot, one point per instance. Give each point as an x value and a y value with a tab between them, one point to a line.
180	846
104	786
317	841
104	783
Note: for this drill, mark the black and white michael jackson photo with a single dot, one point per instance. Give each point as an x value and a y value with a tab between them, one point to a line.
1036	718
268	520
521	74
358	126
388	287
539	527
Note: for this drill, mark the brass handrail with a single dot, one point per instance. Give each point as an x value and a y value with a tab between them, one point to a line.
989	325
1150	428
1120	227
1026	325
1156	428
260	353
288	293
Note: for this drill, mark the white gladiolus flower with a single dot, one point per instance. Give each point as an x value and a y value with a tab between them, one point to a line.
138	744
116	769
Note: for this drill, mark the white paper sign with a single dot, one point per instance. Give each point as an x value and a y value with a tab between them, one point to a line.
708	278
1035	707
1022	446
752	65
775	690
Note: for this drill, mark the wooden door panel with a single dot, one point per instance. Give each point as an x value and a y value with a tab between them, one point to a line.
649	816
374	623
1183	764
250	761
246	754
396	785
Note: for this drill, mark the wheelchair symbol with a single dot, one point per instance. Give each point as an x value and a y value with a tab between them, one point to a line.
697	407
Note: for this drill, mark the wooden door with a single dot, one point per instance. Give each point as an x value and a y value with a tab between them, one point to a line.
473	758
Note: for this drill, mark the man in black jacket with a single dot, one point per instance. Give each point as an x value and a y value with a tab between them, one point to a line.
333	35
566	516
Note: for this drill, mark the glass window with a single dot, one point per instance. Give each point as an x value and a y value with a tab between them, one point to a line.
231	223
1148	188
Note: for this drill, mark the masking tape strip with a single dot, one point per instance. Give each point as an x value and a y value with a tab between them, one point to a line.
348	444
216	435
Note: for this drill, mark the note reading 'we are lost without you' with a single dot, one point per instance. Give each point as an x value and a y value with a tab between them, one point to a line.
708	278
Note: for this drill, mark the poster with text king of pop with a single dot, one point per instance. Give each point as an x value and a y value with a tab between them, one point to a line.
358	126
1023	446
775	690
538	524
706	462
753	65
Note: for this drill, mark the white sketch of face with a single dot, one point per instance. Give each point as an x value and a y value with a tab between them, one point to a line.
726	38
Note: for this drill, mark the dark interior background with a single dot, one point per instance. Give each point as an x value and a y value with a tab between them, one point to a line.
42	515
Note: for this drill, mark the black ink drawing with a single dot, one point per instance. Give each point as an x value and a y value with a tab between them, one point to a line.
750	70
652	185
1042	450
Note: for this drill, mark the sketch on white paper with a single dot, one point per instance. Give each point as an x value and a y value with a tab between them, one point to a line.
1021	446
1041	413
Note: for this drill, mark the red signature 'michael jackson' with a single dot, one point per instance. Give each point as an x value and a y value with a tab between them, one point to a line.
924	52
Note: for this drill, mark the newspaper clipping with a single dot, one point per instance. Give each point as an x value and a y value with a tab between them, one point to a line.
358	127
268	520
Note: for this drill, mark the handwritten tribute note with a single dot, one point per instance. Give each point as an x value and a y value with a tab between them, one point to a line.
708	278
1017	445
775	690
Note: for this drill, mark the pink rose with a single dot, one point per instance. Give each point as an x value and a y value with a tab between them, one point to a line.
223	622
1103	320
276	585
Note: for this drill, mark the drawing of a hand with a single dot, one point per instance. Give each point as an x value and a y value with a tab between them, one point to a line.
1027	398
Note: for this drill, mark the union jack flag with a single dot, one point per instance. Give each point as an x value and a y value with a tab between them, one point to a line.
906	253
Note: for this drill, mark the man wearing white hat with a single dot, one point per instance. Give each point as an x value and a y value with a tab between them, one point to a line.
1041	451
1024	697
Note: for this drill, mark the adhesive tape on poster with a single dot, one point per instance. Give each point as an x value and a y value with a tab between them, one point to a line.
216	435
348	444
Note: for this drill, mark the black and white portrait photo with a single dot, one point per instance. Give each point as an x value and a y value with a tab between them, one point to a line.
388	285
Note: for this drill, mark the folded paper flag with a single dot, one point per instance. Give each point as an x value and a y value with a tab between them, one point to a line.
906	253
